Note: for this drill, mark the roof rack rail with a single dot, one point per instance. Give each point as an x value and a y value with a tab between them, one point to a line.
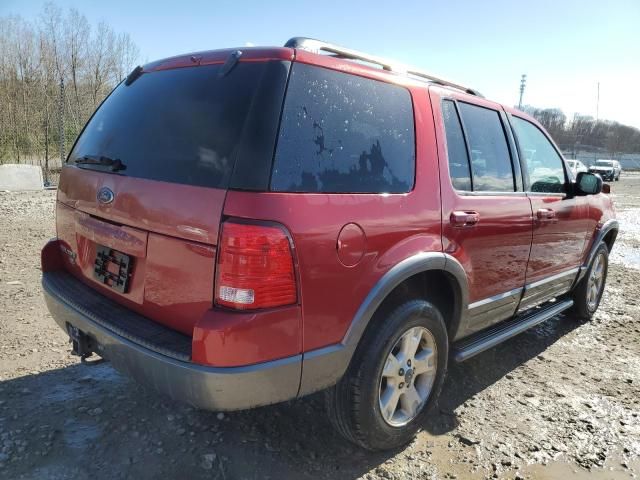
318	46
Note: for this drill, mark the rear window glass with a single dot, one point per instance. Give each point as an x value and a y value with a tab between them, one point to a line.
344	133
184	125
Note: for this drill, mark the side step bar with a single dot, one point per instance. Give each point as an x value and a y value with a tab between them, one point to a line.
470	347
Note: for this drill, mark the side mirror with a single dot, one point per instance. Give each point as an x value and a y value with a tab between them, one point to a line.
588	183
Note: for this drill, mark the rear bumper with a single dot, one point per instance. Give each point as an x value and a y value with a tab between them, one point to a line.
157	357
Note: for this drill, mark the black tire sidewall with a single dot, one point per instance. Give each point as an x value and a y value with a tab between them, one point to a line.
580	298
411	314
602	249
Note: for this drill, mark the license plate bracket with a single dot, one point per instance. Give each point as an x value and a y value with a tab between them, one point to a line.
112	268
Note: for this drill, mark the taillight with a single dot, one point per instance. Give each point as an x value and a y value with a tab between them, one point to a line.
255	267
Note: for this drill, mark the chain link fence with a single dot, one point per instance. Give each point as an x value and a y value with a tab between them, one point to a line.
589	154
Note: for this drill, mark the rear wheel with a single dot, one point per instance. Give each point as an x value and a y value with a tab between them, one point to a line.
394	378
588	294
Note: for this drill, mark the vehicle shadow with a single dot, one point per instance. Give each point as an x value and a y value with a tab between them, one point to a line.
90	421
464	380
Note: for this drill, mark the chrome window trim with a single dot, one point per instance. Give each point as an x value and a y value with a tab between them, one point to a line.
557	276
526	288
495	298
486	193
546	194
542	291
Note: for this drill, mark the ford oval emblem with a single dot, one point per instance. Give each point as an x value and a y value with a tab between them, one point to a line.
105	196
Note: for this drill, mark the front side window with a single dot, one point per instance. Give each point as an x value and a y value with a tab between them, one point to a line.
490	159
343	133
542	164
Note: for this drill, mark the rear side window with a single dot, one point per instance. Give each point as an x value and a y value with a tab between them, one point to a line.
456	148
542	164
490	159
345	134
189	125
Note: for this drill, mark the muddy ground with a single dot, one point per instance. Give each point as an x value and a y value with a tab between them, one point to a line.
559	401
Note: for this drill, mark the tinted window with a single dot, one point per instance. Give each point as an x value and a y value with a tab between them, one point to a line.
490	159
344	133
185	125
456	148
542	163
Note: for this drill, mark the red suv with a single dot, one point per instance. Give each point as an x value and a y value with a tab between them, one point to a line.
242	227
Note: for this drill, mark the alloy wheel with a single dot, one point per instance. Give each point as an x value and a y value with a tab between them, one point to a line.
596	282
408	376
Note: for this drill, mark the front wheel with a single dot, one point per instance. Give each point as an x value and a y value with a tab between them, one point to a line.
394	378
588	293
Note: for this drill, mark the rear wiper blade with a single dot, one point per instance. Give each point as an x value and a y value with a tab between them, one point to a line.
115	164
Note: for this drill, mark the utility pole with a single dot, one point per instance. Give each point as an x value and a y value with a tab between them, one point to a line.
523	83
598	103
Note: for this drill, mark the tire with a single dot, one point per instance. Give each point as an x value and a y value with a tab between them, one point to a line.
585	304
354	403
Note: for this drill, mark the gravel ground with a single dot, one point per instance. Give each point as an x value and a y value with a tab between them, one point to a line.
561	400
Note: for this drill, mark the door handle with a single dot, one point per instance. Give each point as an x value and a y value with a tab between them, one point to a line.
545	214
464	218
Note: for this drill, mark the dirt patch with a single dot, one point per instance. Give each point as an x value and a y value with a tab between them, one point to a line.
559	401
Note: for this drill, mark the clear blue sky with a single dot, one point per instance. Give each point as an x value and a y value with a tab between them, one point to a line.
565	47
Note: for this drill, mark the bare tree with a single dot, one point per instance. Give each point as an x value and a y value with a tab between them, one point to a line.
37	59
621	139
77	32
126	56
553	120
101	61
585	132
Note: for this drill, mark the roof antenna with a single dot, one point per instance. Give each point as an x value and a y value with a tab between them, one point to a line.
231	62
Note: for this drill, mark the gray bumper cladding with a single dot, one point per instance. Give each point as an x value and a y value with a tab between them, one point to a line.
159	358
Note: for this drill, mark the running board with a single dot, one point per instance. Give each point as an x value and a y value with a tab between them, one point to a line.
470	347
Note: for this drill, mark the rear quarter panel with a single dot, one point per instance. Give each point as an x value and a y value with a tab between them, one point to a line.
396	226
